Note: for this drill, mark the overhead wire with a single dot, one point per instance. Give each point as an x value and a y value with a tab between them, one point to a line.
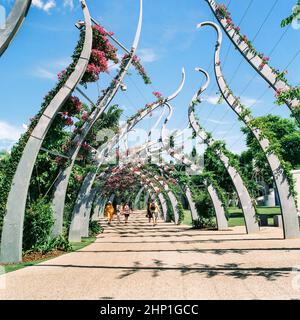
252	79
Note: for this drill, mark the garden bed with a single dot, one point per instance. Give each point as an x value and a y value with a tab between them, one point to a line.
34	258
37	256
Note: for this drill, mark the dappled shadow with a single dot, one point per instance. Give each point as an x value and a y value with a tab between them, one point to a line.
231	270
137	266
193	241
196	250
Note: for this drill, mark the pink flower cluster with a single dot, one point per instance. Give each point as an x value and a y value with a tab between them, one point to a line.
102	52
92	72
76	103
101	42
61	74
85	116
278	92
59	160
223	11
85	146
78	178
99	59
136	62
67	118
157	94
102	30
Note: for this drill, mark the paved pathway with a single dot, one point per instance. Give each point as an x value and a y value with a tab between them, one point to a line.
138	261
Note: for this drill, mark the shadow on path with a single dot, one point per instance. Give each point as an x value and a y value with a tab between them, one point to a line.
227	270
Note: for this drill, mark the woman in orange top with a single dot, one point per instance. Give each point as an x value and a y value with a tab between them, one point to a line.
109	212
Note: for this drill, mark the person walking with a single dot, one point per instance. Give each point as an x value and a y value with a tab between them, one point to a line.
119	210
109	212
126	211
154	210
149	214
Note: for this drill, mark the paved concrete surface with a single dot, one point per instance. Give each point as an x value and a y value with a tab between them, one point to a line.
139	261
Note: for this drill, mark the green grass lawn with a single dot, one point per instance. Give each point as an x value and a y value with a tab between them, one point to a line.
75	247
85	242
236	215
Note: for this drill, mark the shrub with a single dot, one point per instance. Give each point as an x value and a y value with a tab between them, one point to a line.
204	205
38	225
95	228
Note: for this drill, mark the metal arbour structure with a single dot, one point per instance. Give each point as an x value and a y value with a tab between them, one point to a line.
253	58
61	185
152	181
89	196
12	234
13	23
221	219
86	188
287	201
239	185
86	194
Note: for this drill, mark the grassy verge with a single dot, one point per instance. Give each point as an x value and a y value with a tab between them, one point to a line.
85	242
236	215
75	247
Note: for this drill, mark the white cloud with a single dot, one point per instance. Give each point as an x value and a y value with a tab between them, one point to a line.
43	73
212	99
10	132
249	101
217	121
50	73
147	55
62	63
44	5
69	3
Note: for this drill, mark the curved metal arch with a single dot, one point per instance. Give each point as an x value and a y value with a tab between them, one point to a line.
12	234
221	219
162	182
242	192
287	202
82	199
13	23
137	197
97	206
161	198
163	203
83	203
61	184
253	59
150	188
222	222
186	191
155	180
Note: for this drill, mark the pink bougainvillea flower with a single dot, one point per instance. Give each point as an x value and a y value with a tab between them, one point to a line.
69	121
157	94
78	178
278	92
77	103
100	60
62	73
85	116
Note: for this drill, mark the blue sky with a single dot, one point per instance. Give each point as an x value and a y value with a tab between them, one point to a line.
169	41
